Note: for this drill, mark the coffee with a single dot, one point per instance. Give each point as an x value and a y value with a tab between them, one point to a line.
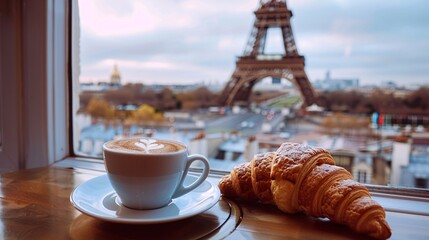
147	173
144	145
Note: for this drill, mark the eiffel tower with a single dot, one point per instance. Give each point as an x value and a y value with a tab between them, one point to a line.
254	64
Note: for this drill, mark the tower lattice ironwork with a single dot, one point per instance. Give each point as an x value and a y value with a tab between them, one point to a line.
255	64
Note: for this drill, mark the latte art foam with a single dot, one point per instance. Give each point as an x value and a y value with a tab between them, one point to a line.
144	145
149	144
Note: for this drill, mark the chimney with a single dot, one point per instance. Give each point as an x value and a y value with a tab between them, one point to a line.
250	149
400	157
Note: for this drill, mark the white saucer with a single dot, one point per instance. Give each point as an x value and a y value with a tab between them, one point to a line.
97	198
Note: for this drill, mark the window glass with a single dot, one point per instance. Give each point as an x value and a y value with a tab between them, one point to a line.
180	70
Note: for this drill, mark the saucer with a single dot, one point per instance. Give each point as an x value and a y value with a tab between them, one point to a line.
97	198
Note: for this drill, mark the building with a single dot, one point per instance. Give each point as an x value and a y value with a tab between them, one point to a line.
414	172
115	77
331	84
101	86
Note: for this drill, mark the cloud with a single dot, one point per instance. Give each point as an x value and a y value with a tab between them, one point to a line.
108	18
196	40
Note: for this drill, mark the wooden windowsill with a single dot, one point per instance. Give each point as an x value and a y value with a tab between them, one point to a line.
408	216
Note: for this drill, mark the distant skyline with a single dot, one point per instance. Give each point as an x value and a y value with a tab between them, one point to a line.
191	41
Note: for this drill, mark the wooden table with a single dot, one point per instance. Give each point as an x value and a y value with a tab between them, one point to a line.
35	205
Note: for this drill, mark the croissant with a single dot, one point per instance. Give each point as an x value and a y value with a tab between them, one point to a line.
300	178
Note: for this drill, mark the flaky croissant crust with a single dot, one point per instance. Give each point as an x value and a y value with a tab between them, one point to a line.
300	178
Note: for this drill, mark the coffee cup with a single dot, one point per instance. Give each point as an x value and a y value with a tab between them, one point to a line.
148	173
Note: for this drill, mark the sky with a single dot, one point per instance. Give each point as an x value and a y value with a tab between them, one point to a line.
194	41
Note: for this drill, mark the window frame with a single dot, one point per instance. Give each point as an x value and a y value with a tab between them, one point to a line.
10	62
34	86
46	90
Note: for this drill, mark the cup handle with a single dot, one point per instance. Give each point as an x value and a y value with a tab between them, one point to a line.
181	190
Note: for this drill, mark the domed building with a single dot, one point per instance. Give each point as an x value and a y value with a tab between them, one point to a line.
115	77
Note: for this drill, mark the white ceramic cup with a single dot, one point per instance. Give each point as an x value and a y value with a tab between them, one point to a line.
151	180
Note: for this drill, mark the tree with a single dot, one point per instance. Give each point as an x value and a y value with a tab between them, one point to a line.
345	101
419	100
128	94
167	100
198	98
149	97
146	114
344	123
99	108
